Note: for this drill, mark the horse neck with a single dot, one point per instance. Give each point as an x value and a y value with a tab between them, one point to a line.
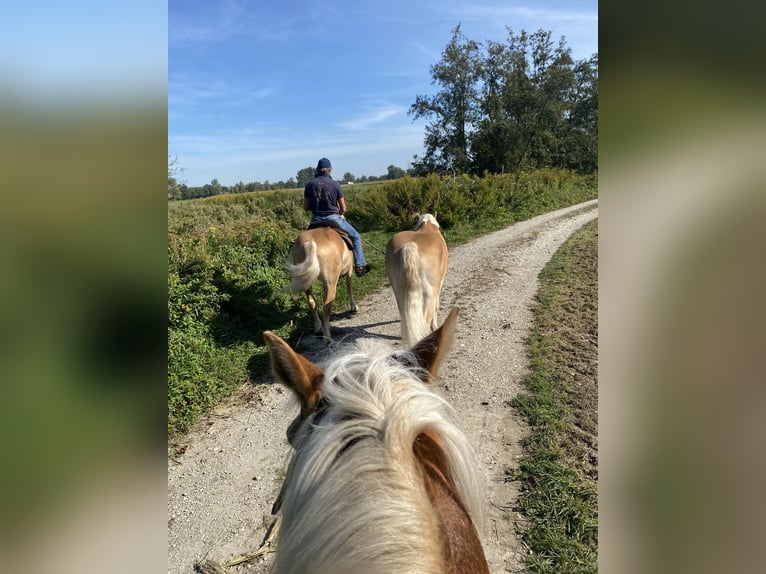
428	227
324	508
461	546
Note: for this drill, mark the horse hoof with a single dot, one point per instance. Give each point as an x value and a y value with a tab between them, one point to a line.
354	309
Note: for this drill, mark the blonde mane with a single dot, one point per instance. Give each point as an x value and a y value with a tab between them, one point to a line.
426	217
354	499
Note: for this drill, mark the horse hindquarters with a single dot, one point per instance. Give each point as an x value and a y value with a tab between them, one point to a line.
304	273
411	293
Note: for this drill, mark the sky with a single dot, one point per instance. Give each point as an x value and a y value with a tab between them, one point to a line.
259	90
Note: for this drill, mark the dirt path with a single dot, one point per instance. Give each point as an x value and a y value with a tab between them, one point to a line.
220	491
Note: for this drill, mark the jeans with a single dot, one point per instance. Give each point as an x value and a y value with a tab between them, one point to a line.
356	239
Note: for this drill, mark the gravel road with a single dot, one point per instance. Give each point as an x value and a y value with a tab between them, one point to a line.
220	490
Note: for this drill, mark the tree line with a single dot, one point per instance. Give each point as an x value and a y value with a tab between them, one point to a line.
524	103
179	190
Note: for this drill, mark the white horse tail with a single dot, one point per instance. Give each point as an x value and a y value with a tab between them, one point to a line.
304	273
413	322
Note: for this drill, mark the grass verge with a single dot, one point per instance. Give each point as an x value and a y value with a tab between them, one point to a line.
559	470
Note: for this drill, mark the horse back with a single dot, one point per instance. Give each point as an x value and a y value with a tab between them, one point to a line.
431	248
332	251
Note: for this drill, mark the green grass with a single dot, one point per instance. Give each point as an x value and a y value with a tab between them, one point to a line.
225	256
559	470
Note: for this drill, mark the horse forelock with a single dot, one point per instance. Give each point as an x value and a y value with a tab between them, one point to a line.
426	218
354	477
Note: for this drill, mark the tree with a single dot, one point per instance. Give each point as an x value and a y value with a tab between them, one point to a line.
394	172
504	106
174	186
304	176
579	150
348	176
215	187
528	100
454	109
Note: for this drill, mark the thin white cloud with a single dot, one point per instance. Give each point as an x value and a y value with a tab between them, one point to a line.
273	153
434	56
375	116
188	93
219	20
546	15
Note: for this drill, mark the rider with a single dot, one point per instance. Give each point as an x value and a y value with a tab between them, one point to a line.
323	197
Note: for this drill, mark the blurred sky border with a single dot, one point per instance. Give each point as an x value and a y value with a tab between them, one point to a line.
63	53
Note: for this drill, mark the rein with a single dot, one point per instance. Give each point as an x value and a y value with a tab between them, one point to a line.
371	244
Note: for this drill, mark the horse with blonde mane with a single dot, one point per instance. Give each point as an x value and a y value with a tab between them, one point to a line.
320	253
382	479
416	264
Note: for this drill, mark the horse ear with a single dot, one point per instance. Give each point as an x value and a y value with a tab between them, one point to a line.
431	351
295	371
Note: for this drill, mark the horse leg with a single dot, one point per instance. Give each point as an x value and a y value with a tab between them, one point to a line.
354	307
313	309
429	307
435	312
329	297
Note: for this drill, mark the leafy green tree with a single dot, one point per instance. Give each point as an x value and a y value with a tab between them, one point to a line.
529	97
348	176
304	175
579	150
174	186
454	109
394	172
504	106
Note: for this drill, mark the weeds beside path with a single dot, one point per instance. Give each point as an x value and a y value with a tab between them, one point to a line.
225	274
559	471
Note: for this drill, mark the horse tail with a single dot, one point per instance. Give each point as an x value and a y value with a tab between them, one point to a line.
304	273
411	309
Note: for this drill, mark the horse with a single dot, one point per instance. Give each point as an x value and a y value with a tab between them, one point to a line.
416	263
320	253
381	478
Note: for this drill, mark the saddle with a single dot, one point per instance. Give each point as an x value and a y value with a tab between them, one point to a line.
329	223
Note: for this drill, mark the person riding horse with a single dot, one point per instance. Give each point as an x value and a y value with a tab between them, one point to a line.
323	197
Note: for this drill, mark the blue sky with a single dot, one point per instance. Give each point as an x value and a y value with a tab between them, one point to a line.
259	90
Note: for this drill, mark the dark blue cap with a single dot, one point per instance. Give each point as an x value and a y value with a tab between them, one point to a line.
323	163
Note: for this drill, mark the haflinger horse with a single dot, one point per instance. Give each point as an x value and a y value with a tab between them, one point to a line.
322	254
416	264
381	479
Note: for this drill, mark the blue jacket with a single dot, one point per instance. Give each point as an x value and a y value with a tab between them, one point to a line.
323	193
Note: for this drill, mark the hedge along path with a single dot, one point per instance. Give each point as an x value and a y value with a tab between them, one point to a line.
220	491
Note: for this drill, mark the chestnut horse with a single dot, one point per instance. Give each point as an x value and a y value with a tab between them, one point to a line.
416	263
381	479
320	253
